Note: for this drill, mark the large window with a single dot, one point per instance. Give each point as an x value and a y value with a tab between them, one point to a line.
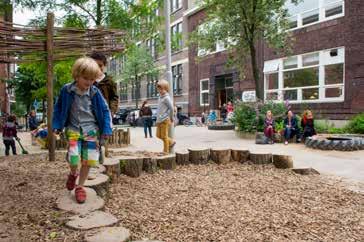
135	91
176	5
151	45
152	86
309	12
176	36
124	92
177	79
311	77
204	92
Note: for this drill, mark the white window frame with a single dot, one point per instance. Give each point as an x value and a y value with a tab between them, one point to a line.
321	12
204	91
175	5
325	59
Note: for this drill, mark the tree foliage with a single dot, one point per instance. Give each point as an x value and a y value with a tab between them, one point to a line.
240	24
139	63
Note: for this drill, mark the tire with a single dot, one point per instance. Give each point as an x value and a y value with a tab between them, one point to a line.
120	122
221	127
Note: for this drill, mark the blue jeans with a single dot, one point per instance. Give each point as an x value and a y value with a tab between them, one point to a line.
148	123
290	132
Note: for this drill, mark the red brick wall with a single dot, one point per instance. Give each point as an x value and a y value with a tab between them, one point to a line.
347	31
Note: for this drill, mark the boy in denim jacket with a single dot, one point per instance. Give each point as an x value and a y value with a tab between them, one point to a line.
84	113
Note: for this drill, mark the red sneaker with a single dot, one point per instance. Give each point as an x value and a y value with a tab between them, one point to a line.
80	194
71	182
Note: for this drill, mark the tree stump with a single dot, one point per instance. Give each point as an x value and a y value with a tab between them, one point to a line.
240	155
167	162
112	166
220	156
128	136
182	158
199	156
306	171
260	158
150	165
131	166
100	184
282	161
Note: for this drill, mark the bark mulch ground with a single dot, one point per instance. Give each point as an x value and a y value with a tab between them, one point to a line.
231	202
237	202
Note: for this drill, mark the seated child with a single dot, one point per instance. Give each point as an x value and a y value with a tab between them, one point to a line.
269	126
307	124
291	128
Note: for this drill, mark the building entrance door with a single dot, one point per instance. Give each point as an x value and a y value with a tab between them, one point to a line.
224	90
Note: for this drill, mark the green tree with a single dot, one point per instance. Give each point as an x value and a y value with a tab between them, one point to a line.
139	63
240	24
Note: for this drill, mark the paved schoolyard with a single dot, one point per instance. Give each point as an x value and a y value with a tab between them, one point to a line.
348	165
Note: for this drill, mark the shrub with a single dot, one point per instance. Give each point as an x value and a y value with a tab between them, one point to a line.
356	125
245	117
322	126
334	130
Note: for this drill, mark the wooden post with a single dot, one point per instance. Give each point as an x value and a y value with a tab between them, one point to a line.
51	138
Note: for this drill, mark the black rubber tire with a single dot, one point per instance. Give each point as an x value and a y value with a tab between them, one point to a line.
221	127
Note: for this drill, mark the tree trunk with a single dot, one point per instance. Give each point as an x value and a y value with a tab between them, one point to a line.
98	13
282	161
167	162
182	158
131	166
255	69
240	155
199	156
220	156
261	159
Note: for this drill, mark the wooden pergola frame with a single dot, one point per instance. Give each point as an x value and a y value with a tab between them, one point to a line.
21	44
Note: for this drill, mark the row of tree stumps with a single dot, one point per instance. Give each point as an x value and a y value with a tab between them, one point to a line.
134	165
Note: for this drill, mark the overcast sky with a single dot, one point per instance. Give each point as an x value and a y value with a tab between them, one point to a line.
23	16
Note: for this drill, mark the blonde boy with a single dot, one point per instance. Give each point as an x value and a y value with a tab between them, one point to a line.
84	113
164	116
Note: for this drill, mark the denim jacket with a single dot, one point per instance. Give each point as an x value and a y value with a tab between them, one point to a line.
99	107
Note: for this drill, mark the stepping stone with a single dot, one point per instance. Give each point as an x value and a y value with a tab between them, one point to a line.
100	184
109	234
95	219
305	171
67	202
101	168
147	241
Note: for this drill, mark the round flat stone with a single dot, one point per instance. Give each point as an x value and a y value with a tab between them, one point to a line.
95	219
101	168
67	202
108	234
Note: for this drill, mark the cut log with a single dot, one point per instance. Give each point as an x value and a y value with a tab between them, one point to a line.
131	166
199	156
91	220
67	202
128	136
282	161
182	158
108	234
100	184
150	165
240	155
112	166
220	156
167	162
260	159
306	171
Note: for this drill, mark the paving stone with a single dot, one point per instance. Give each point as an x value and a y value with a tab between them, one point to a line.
67	202
109	234
100	179
95	219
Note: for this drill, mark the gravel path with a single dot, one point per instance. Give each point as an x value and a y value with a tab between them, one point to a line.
237	202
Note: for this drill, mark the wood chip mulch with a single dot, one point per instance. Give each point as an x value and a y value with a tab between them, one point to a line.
236	202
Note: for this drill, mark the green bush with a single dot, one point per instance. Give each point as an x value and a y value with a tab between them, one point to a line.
244	117
356	125
322	126
334	130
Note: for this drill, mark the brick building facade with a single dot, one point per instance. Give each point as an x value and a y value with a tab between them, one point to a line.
325	71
